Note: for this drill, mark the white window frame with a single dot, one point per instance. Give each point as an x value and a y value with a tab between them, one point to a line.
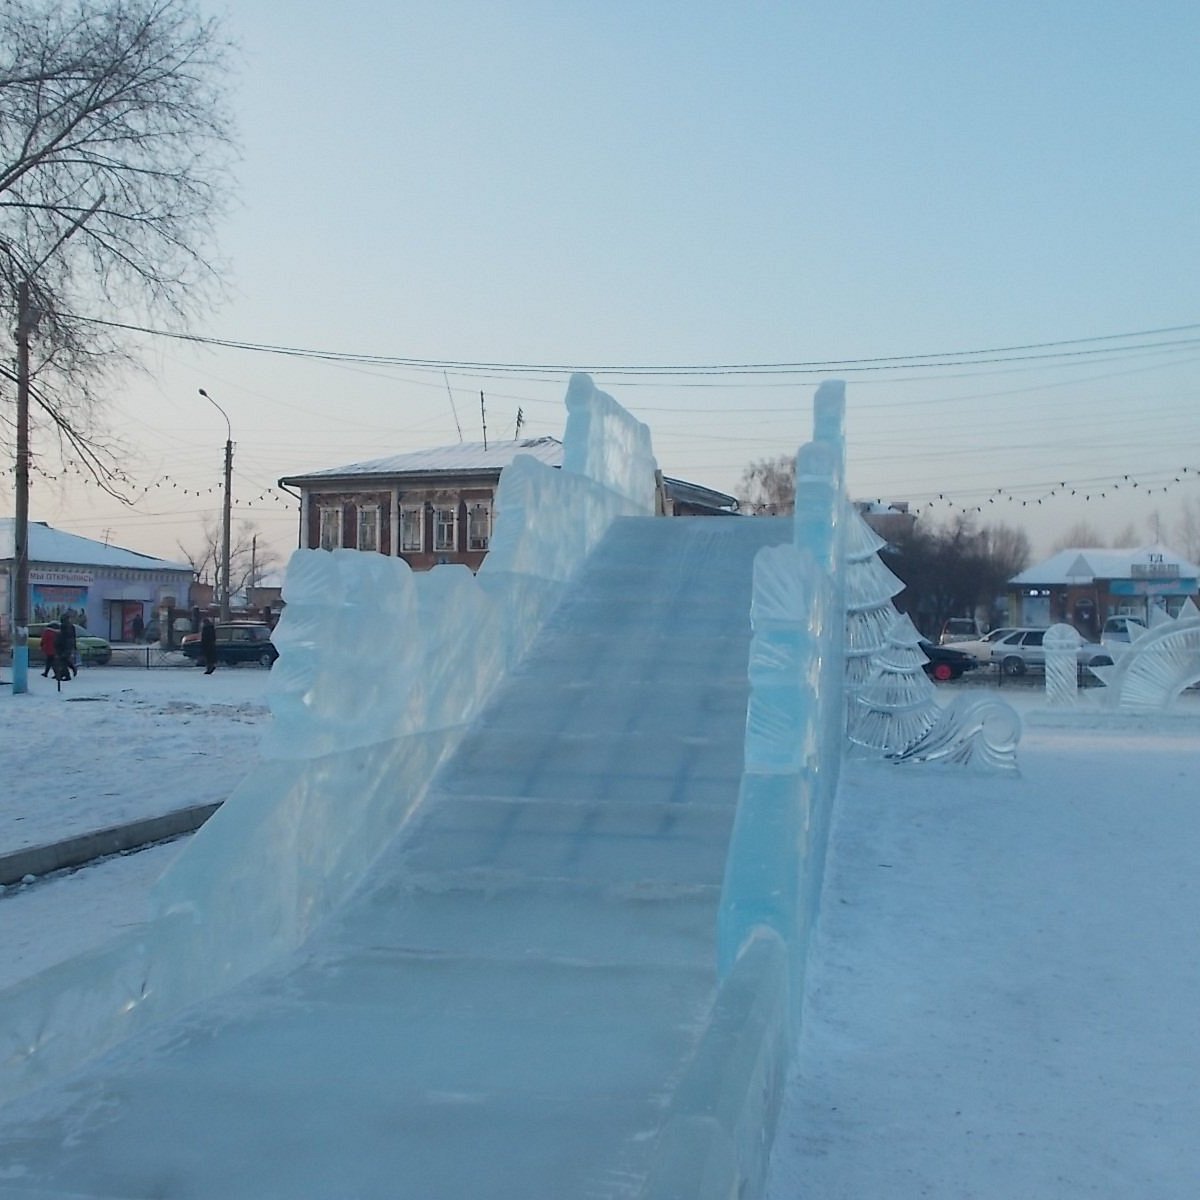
407	511
480	510
368	511
439	525
330	515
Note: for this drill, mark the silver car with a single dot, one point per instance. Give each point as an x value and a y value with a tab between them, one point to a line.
1021	649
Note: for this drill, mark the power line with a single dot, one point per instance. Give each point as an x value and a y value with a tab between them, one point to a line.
1026	352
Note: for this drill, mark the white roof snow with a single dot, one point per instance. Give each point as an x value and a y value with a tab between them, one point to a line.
47	545
466	456
1082	565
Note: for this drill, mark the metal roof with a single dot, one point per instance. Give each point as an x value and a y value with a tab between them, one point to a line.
453	460
1080	565
48	545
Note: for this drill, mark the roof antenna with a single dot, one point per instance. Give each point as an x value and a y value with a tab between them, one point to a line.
520	422
452	408
483	419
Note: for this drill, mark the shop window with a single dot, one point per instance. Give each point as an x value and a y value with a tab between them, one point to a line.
412	529
331	528
368	527
479	526
445	529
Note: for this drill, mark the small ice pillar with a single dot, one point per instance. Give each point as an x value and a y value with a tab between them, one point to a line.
1061	644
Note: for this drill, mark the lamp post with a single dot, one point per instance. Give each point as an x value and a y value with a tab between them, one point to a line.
223	588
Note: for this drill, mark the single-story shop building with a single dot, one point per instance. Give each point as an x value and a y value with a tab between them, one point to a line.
1084	587
103	587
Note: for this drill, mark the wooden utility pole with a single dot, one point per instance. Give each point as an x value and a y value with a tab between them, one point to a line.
483	419
223	577
26	321
225	529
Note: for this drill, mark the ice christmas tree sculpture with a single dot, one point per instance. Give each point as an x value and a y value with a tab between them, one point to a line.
895	708
870	612
892	709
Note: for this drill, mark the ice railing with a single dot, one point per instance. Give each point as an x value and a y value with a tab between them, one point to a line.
380	670
717	1139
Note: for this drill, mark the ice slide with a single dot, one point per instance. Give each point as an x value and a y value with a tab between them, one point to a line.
509	1000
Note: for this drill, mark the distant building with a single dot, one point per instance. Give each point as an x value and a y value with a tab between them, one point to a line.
892	521
437	506
1083	587
102	587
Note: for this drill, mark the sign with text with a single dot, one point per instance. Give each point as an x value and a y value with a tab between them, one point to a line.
62	578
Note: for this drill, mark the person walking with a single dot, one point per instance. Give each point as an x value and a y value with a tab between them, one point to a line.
64	649
208	645
48	650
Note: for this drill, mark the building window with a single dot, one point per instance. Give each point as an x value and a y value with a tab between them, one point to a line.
368	527
479	526
331	528
445	529
412	530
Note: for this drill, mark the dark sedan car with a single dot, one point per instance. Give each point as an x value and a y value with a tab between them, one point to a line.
237	642
945	662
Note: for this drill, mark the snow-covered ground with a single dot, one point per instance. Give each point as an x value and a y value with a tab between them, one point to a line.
120	743
114	745
1004	995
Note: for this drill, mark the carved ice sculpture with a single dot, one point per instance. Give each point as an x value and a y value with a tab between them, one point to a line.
971	733
1157	665
893	712
870	612
895	707
1061	644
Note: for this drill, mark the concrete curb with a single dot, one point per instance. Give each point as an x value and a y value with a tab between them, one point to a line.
74	852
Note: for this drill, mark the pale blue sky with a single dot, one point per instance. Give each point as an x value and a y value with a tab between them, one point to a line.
628	183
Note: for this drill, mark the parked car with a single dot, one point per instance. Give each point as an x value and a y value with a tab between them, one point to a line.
237	642
1117	630
960	629
1022	649
946	662
91	647
981	648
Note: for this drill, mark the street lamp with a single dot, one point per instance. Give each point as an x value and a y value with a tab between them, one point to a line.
223	589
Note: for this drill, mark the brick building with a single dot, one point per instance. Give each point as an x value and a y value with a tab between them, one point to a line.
437	506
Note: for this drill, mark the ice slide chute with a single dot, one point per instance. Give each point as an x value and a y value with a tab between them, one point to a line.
519	995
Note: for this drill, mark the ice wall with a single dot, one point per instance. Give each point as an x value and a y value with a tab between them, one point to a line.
716	1141
380	671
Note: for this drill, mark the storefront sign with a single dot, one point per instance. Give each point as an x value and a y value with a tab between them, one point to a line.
63	578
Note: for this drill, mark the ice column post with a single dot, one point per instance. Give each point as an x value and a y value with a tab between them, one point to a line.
1061	643
795	717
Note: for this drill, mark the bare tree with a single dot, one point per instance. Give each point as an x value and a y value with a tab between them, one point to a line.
114	154
250	558
1081	536
1188	530
1127	537
955	570
769	485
